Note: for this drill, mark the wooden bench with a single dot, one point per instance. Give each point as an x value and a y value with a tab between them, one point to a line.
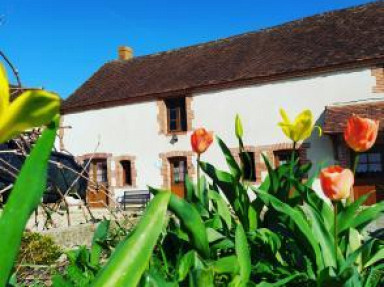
140	198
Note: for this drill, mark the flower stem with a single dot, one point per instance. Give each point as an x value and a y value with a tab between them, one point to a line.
292	163
335	229
355	163
198	176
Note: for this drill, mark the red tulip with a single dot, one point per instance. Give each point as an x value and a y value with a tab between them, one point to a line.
361	133
336	182
201	140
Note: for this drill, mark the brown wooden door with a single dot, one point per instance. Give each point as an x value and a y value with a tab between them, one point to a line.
97	194
360	190
178	172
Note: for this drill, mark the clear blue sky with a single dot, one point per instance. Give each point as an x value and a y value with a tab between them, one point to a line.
58	44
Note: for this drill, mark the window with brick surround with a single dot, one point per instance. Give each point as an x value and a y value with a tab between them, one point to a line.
371	163
248	159
176	115
283	156
126	172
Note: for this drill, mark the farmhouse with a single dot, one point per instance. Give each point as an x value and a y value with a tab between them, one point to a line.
133	118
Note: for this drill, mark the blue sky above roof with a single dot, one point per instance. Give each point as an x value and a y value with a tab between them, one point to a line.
60	44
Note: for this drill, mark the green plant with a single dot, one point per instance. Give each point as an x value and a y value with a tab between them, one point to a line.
84	263
288	229
38	249
129	259
29	110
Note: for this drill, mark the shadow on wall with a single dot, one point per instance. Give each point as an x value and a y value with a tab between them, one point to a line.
321	151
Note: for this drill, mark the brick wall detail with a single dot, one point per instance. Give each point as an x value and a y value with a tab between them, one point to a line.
378	73
162	116
190	113
117	173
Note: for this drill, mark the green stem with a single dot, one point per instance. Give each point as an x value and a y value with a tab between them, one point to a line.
355	163
293	156
198	176
292	164
242	167
335	229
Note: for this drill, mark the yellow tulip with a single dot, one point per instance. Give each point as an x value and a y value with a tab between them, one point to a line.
301	128
30	109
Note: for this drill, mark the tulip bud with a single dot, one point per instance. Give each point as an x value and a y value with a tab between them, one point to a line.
201	140
360	133
238	127
336	182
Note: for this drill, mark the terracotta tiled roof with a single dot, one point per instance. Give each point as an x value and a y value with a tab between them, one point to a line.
336	116
334	40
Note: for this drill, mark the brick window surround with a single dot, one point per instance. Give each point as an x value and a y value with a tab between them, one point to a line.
162	118
166	169
268	151
378	73
118	175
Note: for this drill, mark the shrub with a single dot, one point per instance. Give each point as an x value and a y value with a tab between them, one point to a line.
38	249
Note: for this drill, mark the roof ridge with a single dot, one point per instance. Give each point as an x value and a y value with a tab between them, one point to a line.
246	34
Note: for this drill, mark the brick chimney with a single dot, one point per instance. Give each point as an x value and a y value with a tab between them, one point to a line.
125	53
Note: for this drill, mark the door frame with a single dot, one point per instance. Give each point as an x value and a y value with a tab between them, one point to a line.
96	157
181	185
166	168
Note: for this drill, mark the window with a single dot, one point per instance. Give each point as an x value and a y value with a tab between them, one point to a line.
126	172
178	169
371	163
176	115
99	170
248	159
283	156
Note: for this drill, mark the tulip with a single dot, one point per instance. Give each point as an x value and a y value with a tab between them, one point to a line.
301	128
360	133
238	127
201	140
30	109
336	182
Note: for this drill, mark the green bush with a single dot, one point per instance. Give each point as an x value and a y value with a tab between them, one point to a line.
38	249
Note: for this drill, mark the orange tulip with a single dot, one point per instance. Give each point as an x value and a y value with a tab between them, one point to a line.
336	182
201	140
361	133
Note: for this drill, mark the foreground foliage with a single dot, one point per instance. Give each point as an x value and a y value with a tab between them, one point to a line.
38	249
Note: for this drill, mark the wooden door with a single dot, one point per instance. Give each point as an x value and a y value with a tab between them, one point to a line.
360	190
97	194
178	171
